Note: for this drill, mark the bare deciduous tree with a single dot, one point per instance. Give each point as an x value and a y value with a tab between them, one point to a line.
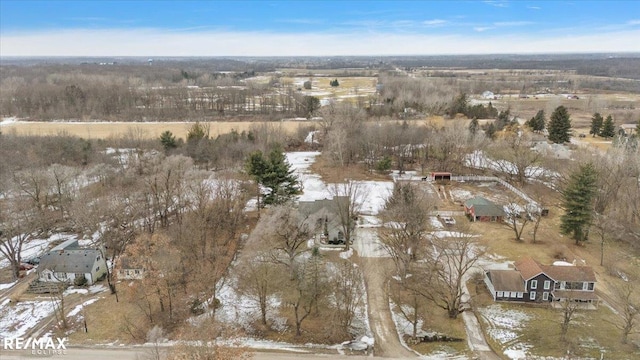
569	311
517	217
16	226
348	199
515	157
259	280
348	292
446	271
287	233
406	218
630	312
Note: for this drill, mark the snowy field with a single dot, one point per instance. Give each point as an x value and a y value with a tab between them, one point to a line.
17	319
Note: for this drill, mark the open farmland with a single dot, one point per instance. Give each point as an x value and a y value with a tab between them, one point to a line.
103	130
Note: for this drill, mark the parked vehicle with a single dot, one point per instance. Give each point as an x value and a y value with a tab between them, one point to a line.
447	220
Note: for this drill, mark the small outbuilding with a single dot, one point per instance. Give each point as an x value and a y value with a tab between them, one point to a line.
441	176
481	209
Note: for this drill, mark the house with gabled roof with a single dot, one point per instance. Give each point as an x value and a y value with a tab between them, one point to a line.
69	263
481	209
530	281
326	214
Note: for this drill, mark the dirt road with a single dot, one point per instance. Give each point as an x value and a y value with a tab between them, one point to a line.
376	272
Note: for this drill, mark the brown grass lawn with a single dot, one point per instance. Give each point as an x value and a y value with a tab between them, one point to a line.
436	320
334	174
103	130
106	321
591	330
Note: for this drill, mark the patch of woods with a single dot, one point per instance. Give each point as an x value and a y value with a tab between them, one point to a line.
430	269
318	294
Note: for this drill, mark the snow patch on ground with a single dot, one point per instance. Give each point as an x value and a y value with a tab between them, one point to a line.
504	326
312	137
8	120
76	310
367	243
346	254
241	310
73	290
17	319
435	223
7	286
313	188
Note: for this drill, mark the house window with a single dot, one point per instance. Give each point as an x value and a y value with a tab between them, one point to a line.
513	294
532	295
591	286
499	294
520	295
137	272
534	284
49	276
98	268
547	284
563	285
545	296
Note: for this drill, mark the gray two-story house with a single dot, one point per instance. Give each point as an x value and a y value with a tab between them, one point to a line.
530	281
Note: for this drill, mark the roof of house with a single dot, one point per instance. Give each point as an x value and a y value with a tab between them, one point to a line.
528	268
69	261
308	208
70	244
506	280
570	273
484	207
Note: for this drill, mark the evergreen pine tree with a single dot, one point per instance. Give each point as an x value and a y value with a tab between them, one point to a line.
274	173
490	131
608	128
578	197
473	126
537	123
168	140
559	126
596	124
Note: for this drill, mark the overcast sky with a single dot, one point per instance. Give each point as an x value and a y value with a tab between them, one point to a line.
290	28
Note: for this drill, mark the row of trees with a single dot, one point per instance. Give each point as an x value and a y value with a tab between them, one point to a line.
602	127
430	271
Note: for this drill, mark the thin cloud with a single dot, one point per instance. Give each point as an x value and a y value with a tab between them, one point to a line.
534	7
483	28
512	23
154	42
497	3
435	22
633	22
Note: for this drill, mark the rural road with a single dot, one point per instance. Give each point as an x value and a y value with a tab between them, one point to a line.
387	344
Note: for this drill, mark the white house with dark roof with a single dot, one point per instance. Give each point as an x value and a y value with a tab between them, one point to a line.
68	262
